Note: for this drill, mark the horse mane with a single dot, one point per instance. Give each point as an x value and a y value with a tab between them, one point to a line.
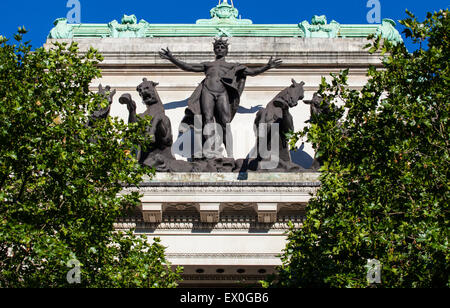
282	96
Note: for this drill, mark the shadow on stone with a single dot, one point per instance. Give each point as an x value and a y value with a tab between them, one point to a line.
199	228
254	109
176	105
260	229
302	158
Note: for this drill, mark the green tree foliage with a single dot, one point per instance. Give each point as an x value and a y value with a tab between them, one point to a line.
60	180
385	178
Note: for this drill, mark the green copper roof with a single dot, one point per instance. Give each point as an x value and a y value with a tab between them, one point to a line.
224	22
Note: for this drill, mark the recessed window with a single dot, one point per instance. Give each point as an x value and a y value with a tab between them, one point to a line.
200	271
220	271
262	271
241	271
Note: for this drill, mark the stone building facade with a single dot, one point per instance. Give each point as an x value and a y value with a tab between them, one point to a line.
225	228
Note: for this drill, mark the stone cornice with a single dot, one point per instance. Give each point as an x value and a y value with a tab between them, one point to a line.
226	186
237	194
295	53
223	255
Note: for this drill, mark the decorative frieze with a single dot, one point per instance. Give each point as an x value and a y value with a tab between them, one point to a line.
210	212
281	225
236	205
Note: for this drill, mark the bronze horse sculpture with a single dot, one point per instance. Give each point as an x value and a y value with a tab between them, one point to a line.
102	113
277	112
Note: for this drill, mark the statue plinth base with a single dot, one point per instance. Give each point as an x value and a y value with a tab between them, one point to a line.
243	178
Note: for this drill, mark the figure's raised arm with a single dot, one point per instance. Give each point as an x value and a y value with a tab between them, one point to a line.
273	63
167	54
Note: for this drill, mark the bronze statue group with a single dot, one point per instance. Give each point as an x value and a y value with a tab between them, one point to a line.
211	109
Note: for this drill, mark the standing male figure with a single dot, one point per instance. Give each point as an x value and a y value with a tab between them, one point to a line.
217	98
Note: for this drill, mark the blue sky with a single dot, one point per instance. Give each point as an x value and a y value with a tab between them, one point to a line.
38	15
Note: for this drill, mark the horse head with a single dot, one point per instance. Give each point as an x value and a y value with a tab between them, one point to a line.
107	93
103	113
296	93
293	94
